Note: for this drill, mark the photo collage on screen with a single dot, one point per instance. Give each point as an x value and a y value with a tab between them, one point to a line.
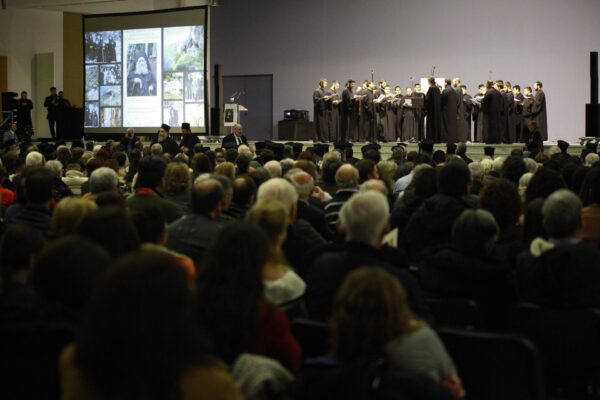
183	75
109	83
103	79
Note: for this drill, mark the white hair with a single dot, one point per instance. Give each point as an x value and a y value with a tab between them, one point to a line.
374	184
497	164
364	217
554	150
523	183
97	148
274	168
487	165
477	170
156	149
244	149
530	164
103	179
278	189
55	167
562	213
591	159
34	158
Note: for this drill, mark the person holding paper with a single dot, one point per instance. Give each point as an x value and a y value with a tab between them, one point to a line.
419	111
410	122
509	110
369	116
518	120
319	116
333	112
527	114
478	114
397	103
433	103
140	79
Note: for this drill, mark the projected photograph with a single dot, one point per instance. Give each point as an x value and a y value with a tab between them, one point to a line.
141	77
110	96
173	113
194	86
194	114
110	117
110	74
183	48
91	115
91	82
103	47
173	85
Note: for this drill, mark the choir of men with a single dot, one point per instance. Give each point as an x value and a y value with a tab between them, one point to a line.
499	112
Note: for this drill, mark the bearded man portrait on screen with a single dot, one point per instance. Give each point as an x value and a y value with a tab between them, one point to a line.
140	79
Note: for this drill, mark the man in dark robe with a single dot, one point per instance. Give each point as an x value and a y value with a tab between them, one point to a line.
168	144
466	115
433	105
319	110
140	79
188	140
527	115
333	112
363	128
493	114
510	135
478	114
369	109
518	116
419	111
410	123
539	110
24	107
461	122
51	103
380	110
397	103
347	111
450	102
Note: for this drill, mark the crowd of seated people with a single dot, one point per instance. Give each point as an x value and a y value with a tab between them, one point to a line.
140	273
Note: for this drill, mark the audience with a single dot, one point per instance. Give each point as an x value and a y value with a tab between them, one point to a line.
211	243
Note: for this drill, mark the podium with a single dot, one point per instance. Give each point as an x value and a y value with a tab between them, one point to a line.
69	123
231	114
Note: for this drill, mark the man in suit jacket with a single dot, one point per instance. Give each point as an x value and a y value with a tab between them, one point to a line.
237	136
304	185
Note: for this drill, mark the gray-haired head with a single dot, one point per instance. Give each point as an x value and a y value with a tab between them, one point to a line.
561	214
304	184
346	177
364	217
56	167
475	232
156	149
34	158
103	179
282	190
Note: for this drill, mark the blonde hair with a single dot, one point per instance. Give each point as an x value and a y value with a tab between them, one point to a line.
272	216
68	214
227	169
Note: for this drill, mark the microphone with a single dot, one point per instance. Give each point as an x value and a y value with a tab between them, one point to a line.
232	97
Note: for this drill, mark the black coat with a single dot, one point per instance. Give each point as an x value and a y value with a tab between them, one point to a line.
327	273
449	115
493	116
539	113
315	217
433	105
301	237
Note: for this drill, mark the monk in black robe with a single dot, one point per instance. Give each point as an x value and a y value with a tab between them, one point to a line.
410	123
518	113
369	109
539	110
449	114
527	115
461	122
478	114
466	115
397	103
333	112
420	110
493	114
509	111
347	112
433	105
319	110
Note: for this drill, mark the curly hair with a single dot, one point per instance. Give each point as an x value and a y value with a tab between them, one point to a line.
177	177
370	310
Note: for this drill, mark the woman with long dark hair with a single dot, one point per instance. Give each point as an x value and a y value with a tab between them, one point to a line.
231	299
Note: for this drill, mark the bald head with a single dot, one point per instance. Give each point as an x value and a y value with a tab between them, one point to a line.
346	177
207	197
303	183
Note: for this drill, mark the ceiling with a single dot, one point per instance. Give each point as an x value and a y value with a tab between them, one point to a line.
101	6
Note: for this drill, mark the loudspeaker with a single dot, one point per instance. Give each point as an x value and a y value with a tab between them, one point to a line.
592	110
217	128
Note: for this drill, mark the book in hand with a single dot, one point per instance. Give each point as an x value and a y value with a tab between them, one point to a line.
407	102
380	99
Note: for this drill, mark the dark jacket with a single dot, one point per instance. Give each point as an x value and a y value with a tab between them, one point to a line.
231	139
449	273
567	276
315	217
432	224
171	210
301	237
326	275
35	216
192	235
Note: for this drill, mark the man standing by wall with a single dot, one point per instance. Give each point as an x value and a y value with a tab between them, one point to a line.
51	103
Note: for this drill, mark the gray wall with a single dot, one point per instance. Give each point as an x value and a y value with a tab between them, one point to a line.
298	41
